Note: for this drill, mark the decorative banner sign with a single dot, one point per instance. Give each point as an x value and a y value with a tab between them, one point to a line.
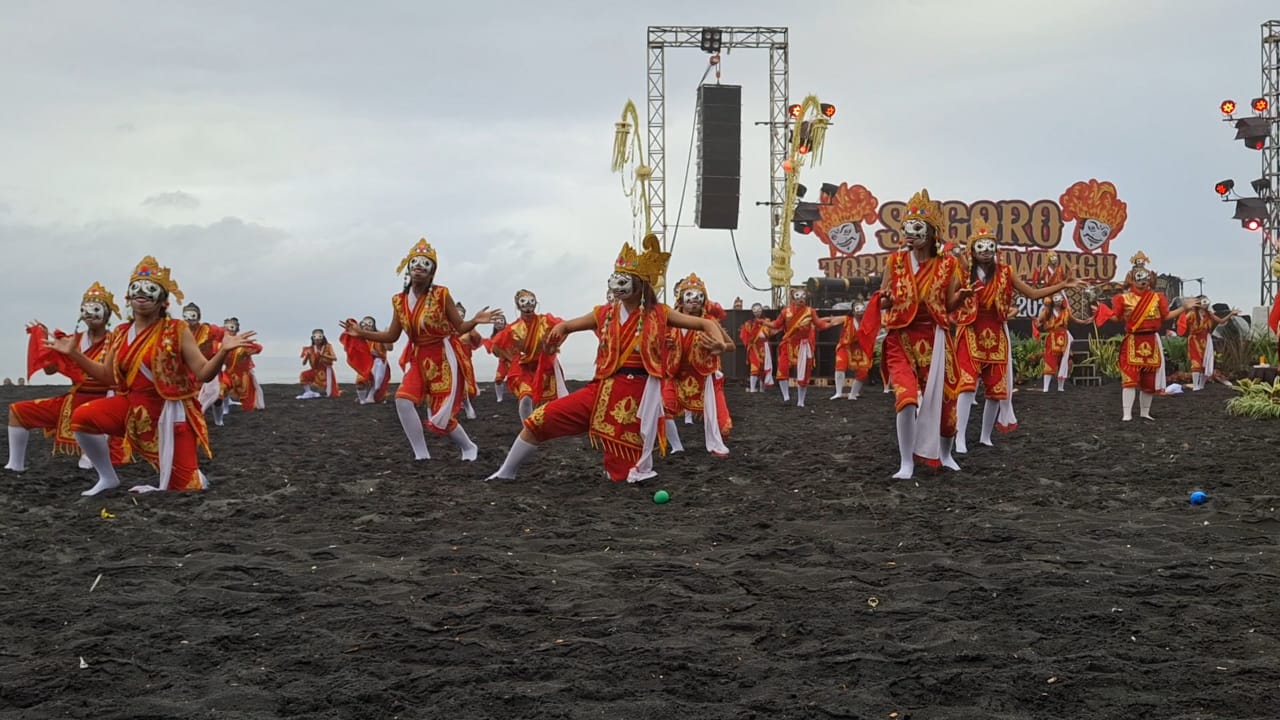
1027	231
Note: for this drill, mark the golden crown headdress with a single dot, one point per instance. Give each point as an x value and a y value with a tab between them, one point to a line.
920	207
649	265
1140	259
422	248
98	294
980	229
149	269
692	282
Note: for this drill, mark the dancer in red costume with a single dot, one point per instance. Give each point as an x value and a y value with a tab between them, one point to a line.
239	382
754	334
1197	325
207	336
503	356
319	379
694	384
920	289
369	359
468	343
853	352
433	372
1144	313
1054	325
799	324
53	415
154	364
983	347
621	408
534	375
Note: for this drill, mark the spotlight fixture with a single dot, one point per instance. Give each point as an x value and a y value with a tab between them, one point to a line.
711	40
794	110
1259	104
1262	186
1253	131
830	110
1228	107
1224	186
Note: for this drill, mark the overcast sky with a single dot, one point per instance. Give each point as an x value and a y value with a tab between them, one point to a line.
281	157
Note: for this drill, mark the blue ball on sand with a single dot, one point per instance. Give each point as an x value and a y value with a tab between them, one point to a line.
1199	497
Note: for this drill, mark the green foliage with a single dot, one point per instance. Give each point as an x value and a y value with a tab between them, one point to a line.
1256	399
1176	358
1104	353
1028	358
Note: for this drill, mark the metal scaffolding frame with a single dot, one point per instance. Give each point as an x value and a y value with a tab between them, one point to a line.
772	38
1271	157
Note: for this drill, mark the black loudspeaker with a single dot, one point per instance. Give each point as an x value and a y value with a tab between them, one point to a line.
719	156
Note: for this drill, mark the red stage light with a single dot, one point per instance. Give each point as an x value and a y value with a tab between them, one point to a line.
1228	107
1259	105
830	110
807	228
1222	188
794	111
1259	144
1252	224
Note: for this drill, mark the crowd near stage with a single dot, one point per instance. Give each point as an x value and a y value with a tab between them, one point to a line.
1061	574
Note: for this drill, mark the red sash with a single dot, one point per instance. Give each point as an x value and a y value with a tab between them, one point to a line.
1138	314
131	356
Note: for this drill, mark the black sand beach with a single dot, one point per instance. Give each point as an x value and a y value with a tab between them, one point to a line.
1061	574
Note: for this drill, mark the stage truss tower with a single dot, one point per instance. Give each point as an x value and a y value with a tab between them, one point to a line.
773	39
1271	157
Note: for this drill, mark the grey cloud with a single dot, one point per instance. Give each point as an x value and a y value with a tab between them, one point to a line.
176	199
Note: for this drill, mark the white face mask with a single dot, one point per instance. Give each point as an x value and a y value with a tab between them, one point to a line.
93	312
317	338
231	326
757	310
145	289
984	250
622	285
859	309
917	232
1141	277
799	297
368	324
422	263
692	298
191	315
527	303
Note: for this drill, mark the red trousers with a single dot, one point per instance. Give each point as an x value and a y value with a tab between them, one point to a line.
47	414
854	360
428	378
906	358
135	417
605	410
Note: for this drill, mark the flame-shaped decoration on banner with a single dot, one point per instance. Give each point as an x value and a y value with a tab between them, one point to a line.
842	217
1098	211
